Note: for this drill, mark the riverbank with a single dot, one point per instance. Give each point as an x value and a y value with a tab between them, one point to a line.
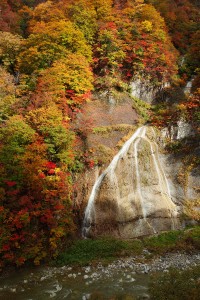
87	251
114	269
166	266
83	252
125	279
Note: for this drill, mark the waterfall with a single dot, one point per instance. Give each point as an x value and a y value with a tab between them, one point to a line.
90	211
188	87
111	174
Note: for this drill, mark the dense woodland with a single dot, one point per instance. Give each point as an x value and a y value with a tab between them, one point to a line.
53	56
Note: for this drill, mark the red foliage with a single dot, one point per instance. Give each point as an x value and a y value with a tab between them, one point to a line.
50	165
41	175
51	172
6	247
10	183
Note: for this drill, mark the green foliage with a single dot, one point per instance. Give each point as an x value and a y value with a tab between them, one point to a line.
142	108
85	251
174	146
16	132
58	140
84	16
48	122
187	240
15	135
176	285
107	129
192	235
163	242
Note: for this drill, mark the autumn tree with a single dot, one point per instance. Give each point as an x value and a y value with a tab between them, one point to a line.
83	14
49	42
7	95
182	19
8	17
35	201
149	51
108	56
10	45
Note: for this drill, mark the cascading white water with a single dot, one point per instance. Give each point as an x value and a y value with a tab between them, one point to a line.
90	211
90	206
138	180
111	174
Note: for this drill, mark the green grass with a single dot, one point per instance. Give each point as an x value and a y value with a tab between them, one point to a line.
106	249
163	242
83	252
186	240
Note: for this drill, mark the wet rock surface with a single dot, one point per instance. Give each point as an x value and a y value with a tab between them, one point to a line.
132	198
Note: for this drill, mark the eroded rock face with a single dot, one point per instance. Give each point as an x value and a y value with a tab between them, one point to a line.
143	90
179	131
132	197
118	209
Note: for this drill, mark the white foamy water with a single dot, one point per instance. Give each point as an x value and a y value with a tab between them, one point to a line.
90	210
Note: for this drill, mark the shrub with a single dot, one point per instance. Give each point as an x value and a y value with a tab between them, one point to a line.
176	285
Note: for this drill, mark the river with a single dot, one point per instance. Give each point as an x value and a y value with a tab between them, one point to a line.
123	279
73	283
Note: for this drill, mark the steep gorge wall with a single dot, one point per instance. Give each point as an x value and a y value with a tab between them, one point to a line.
132	197
124	208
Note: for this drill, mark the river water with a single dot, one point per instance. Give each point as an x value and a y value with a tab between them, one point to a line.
123	279
78	283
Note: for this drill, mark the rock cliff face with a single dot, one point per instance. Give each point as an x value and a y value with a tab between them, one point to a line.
132	198
143	90
142	192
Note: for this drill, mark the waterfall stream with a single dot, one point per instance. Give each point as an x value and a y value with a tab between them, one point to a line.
145	206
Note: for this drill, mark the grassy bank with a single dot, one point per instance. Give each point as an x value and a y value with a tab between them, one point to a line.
87	251
175	285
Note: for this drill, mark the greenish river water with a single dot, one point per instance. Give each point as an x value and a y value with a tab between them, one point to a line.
77	283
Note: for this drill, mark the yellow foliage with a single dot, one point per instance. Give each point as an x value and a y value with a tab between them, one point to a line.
44	116
9	47
147	25
50	42
70	73
192	209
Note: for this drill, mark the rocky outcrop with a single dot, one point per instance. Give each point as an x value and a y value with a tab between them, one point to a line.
127	201
132	198
145	90
179	131
106	126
